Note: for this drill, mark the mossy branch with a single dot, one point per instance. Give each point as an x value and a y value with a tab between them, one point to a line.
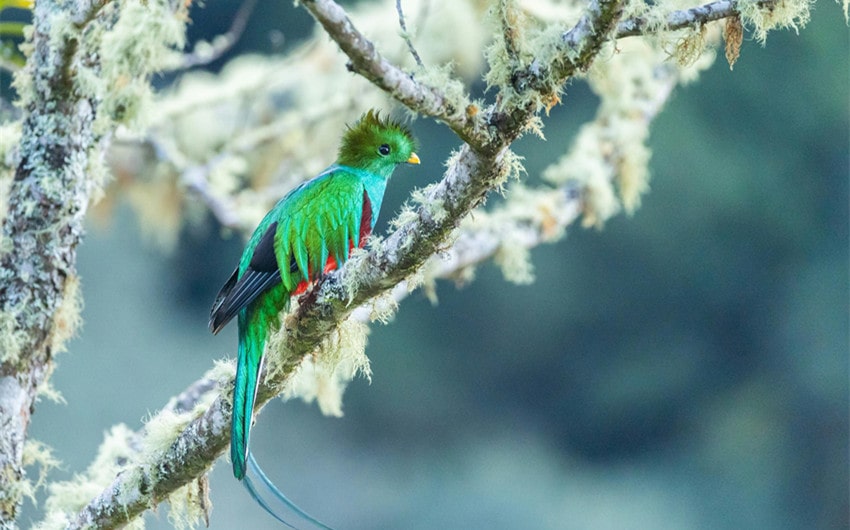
145	485
685	18
572	52
43	225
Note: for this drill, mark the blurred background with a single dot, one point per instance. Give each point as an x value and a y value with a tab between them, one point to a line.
685	368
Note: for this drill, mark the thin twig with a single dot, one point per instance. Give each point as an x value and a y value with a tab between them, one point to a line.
406	36
510	27
222	43
196	179
369	63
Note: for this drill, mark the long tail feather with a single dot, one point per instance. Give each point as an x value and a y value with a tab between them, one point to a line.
248	366
273	500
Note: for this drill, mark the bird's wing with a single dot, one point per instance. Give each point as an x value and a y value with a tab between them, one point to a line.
324	220
261	274
323	217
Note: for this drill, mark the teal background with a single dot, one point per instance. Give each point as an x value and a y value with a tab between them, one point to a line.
686	367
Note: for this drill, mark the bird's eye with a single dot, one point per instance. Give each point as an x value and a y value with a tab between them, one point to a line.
384	150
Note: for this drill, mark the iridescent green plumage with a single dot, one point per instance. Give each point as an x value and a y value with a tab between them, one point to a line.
309	231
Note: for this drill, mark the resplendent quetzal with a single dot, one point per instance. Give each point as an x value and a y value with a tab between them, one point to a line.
308	232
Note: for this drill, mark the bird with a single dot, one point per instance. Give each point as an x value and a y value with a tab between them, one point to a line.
309	232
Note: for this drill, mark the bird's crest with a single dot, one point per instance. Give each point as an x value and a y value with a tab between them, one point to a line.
370	126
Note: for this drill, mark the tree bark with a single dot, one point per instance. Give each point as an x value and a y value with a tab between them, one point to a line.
47	203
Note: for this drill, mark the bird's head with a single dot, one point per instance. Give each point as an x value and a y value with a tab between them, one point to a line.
377	145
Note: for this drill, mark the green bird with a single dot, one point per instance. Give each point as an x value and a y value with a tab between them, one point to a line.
309	232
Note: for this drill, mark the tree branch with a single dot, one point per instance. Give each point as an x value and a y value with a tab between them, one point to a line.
146	484
544	77
220	45
47	202
406	35
206	437
573	52
369	63
685	18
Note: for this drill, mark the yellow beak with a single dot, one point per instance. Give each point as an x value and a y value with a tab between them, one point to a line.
414	159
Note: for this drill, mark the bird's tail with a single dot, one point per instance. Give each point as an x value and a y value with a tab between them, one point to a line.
248	366
273	500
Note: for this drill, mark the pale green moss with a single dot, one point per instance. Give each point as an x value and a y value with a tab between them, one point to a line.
406	215
161	430
62	29
690	46
506	53
415	280
421	198
689	74
190	505
544	210
223	371
40	454
586	164
10	136
22	489
324	376
67	318
141	42
782	14
442	75
640	8
12	338
67	498
22	80
511	168
429	273
515	261
632	165
47	391
99	174
383	308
